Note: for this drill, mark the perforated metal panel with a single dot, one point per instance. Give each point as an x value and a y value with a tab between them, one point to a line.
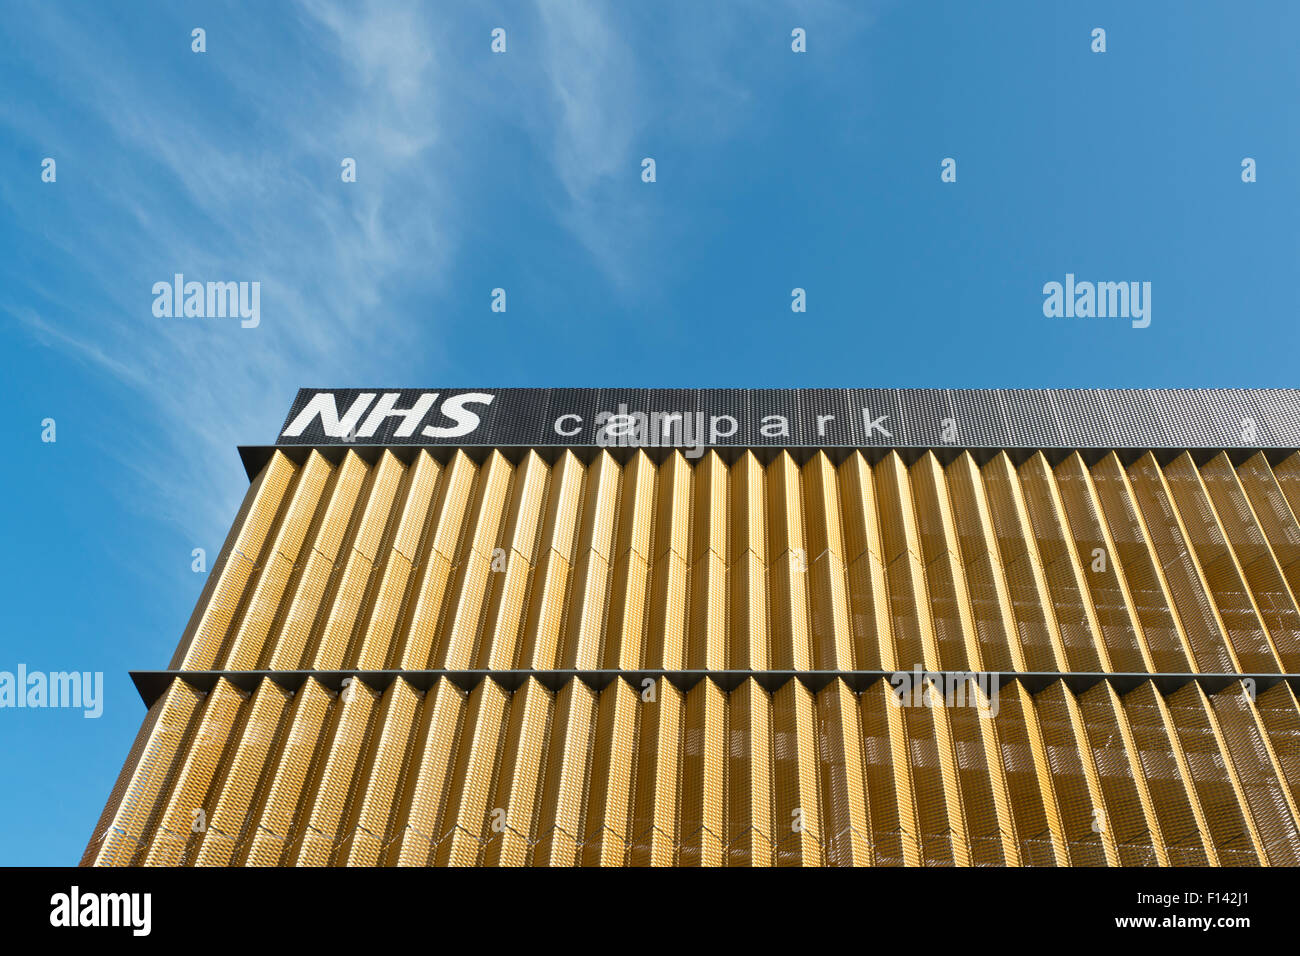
845	417
742	625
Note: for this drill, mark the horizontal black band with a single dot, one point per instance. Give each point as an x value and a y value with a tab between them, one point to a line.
796	418
153	684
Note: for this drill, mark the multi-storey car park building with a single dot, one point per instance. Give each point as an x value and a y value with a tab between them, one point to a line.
746	627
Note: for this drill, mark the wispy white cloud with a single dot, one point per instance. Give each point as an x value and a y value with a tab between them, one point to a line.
83	349
226	166
624	81
179	186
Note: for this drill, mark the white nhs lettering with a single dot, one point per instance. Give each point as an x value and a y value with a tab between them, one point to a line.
350	425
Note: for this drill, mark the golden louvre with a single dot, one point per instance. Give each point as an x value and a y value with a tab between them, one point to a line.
1035	627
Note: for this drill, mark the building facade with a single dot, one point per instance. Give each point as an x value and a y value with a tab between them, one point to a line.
740	627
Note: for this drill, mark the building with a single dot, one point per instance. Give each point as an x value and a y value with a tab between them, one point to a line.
744	627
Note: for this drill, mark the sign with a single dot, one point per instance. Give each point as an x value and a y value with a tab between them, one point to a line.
697	419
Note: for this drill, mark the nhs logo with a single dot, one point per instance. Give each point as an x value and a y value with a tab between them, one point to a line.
452	417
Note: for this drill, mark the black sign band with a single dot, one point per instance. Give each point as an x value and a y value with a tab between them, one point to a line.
796	418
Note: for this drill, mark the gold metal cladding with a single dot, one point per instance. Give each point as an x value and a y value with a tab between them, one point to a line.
1076	617
1188	590
1218	792
420	820
243	774
1258	771
672	527
560	821
119	839
759	561
655	830
788	563
563	497
909	603
201	643
1247	631
831	631
184	816
635	521
1163	764
708	625
1279	713
608	824
518	789
667	638
330	787
1089	545
249	645
625	632
1020	751
704	770
1147	589
990	600
956	638
1129	809
846	822
369	825
1084	824
748	532
939	813
275	817
646	774
749	774
1035	616
798	833
1271	595
466	820
709	517
979	788
895	830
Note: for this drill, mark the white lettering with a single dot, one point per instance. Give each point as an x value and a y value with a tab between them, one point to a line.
466	421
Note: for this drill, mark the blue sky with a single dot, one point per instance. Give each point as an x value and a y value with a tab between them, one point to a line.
775	170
